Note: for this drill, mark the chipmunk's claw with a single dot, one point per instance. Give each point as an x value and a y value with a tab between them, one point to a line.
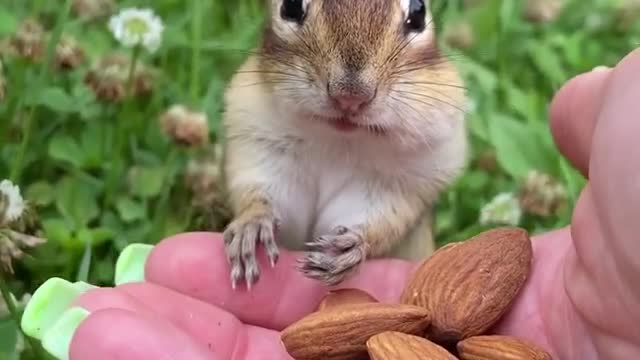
240	240
236	274
334	257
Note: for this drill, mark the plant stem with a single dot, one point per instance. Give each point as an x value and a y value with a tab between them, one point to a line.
8	299
160	213
132	68
63	14
196	32
16	169
116	158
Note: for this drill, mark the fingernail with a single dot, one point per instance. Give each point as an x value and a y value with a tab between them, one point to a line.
600	68
131	263
50	300
57	340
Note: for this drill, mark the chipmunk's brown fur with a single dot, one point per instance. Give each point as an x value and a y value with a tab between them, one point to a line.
307	172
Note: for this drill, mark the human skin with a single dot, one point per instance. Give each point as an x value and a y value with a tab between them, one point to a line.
580	302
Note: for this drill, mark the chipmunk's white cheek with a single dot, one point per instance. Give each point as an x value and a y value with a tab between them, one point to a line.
425	38
405	6
306	99
285	30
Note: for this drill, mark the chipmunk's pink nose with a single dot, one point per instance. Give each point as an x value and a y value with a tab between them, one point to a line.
351	103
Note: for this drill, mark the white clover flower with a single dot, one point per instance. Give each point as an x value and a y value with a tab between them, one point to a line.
134	26
15	204
504	209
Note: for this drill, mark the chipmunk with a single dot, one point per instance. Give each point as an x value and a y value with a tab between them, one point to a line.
341	131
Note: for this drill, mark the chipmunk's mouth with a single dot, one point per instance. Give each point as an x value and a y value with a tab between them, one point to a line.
347	125
344	124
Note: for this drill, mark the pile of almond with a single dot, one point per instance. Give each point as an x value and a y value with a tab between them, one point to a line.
445	312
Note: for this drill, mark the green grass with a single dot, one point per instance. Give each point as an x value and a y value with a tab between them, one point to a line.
103	175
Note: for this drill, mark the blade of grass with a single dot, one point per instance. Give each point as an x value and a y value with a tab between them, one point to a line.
196	33
85	264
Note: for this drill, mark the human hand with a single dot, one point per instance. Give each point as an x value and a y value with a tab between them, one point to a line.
186	308
579	302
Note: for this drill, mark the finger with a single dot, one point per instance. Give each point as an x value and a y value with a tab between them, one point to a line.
538	302
614	164
213	328
574	113
195	265
122	334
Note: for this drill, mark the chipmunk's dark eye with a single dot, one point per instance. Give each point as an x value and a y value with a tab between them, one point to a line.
292	10
416	16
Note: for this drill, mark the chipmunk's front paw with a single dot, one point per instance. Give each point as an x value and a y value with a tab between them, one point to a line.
335	256
240	240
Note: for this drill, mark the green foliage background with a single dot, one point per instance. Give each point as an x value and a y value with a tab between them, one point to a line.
512	69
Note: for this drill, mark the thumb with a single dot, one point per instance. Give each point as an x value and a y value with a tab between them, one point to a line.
614	167
574	113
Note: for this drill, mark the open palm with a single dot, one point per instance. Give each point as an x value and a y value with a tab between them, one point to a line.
581	301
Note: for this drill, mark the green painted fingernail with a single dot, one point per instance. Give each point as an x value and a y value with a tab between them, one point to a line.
50	300
57	340
131	263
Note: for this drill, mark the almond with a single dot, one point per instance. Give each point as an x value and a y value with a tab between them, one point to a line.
391	345
500	348
344	297
467	287
342	333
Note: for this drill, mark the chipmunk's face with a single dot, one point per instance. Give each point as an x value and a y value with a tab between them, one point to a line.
371	64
